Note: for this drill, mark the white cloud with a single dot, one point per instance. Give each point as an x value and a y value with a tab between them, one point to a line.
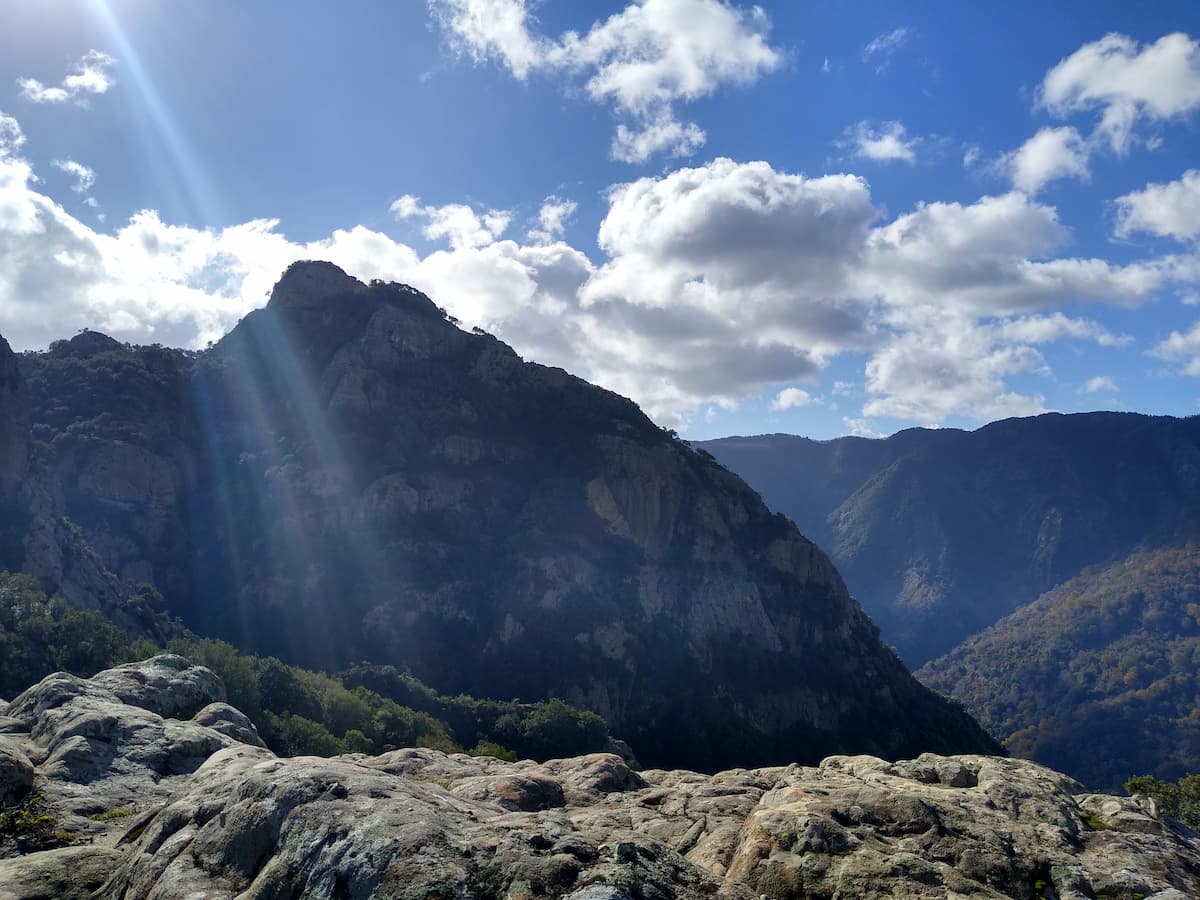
1167	210
790	398
950	367
642	60
456	222
860	428
989	257
971	156
492	29
1099	384
1181	347
12	138
826	68
84	176
881	49
1050	154
552	219
714	284
1046	329
887	144
90	75
661	134
1125	81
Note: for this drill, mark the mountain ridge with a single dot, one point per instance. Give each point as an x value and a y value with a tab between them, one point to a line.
347	475
975	523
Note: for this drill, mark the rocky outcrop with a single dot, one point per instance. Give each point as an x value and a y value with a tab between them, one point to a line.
349	476
432	825
120	740
236	821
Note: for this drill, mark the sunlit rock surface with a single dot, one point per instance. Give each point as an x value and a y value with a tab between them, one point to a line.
420	823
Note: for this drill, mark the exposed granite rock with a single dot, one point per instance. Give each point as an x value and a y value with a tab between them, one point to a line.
230	722
108	742
16	775
421	823
69	873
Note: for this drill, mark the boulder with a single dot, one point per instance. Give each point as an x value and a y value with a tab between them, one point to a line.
16	775
230	722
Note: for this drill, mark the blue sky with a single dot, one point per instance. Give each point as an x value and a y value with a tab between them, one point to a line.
820	218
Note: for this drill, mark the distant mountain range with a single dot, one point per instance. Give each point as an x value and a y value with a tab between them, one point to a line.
348	475
945	536
940	533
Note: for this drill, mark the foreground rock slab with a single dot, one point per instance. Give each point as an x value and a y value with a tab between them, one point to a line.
422	824
212	814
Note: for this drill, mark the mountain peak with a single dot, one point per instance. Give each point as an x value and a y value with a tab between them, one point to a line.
308	284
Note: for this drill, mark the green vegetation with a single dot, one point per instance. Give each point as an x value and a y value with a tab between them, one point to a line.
32	827
371	709
1111	653
39	635
1179	800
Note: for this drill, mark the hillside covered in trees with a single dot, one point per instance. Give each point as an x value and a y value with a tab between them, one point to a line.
1099	677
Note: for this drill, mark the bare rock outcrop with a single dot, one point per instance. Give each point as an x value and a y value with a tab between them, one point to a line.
99	749
205	815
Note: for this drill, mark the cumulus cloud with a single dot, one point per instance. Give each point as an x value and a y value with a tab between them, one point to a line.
1167	210
713	284
790	398
456	222
1182	347
1099	384
1125	82
880	50
662	134
12	138
1050	154
552	219
642	61
91	75
886	144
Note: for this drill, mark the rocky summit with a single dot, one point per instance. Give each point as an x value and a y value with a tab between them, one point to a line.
350	476
149	804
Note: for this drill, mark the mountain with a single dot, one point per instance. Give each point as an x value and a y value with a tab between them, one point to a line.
140	782
348	475
1099	677
941	533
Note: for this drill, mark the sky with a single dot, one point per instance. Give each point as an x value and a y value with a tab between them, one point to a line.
820	218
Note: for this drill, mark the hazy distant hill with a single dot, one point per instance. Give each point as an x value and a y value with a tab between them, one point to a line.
349	475
940	533
1099	677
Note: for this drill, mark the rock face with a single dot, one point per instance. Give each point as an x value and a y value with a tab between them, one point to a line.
14	413
349	476
36	533
939	534
180	810
112	741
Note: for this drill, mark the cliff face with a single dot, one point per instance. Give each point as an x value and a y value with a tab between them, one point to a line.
939	534
348	475
157	805
14	413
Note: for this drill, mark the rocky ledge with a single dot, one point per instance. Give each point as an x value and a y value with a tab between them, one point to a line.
206	811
